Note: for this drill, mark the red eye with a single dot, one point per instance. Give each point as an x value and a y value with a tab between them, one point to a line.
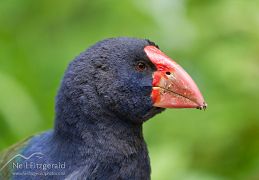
141	66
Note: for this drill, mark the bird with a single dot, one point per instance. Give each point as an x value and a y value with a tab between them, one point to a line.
106	94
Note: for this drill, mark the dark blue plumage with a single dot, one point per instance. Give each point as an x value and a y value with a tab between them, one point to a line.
100	107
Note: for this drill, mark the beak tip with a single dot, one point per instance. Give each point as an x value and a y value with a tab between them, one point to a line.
203	106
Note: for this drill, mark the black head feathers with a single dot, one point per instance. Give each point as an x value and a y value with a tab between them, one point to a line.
104	82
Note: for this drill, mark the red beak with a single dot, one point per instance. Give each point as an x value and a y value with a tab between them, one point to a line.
172	86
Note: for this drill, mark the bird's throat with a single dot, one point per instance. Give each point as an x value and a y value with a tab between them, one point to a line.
103	131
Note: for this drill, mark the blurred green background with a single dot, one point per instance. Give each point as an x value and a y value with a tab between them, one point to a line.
217	42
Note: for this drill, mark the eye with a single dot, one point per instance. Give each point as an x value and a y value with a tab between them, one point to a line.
168	73
141	66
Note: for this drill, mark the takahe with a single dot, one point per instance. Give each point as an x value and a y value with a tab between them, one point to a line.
106	95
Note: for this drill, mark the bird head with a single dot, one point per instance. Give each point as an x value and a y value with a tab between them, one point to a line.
131	78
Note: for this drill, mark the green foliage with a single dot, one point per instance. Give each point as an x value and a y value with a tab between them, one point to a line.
215	41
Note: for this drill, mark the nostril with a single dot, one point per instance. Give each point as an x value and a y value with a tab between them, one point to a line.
168	73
